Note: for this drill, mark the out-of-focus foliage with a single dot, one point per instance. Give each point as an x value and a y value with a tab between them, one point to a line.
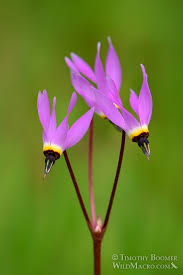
42	230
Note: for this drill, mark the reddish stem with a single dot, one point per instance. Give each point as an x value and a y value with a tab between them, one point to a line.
90	177
97	236
97	255
77	190
115	181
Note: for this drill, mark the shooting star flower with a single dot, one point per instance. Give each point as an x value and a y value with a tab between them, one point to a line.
141	105
105	96
57	139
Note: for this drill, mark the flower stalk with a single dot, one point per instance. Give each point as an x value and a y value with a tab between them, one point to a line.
115	181
97	235
97	243
77	190
90	177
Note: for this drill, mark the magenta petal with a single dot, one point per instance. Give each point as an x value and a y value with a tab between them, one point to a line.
145	100
134	101
78	129
53	124
99	71
109	110
113	67
61	132
112	92
72	103
129	119
84	88
63	128
45	139
83	67
43	109
71	65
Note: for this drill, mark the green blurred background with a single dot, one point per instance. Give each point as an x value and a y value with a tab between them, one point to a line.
42	229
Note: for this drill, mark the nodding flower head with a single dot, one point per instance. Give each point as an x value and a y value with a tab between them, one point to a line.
108	81
141	105
57	139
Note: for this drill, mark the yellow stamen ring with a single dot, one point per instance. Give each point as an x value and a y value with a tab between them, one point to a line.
138	131
52	147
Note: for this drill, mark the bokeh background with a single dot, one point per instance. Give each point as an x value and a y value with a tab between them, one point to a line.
42	230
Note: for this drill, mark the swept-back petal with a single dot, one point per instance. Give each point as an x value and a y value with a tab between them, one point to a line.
145	100
113	67
84	88
134	101
112	92
61	132
63	128
83	67
43	107
45	139
109	110
99	71
53	124
72	103
78	129
130	120
71	65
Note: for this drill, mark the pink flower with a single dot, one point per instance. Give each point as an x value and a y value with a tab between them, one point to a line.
105	96
57	139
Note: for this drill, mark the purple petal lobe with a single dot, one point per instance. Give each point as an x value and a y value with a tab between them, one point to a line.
45	139
99	71
72	103
145	101
84	88
109	110
130	120
112	92
83	67
61	132
71	65
53	124
43	109
134	101
63	128
78	129
113	67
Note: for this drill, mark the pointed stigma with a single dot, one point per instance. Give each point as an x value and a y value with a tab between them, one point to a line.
143	143
49	162
50	159
51	155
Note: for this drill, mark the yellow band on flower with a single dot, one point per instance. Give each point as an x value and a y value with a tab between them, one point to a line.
138	131
116	106
102	115
52	147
